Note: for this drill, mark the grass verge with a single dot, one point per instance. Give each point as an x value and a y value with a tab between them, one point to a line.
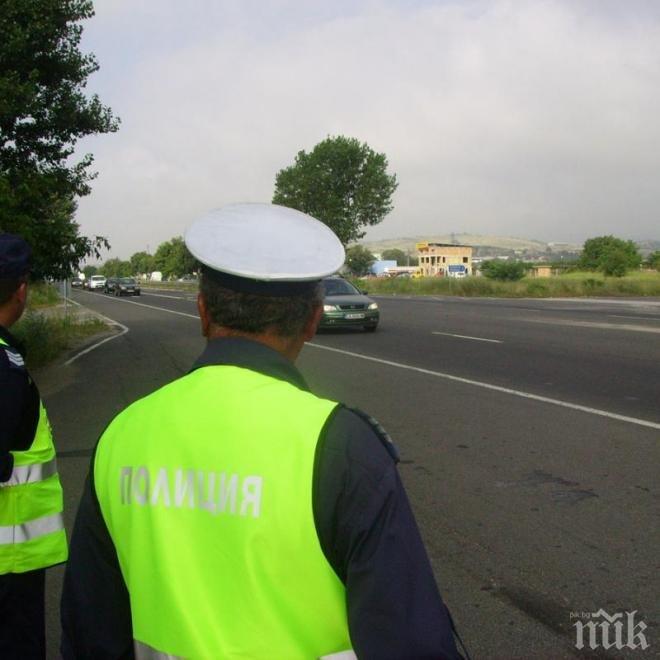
572	285
45	332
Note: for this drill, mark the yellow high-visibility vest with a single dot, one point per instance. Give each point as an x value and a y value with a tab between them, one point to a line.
206	489
32	532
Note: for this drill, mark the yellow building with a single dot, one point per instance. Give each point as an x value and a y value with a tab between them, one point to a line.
541	271
444	260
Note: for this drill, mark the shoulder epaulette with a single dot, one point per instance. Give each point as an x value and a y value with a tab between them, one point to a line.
379	431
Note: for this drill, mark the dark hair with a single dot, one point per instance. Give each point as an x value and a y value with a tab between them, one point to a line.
8	287
247	312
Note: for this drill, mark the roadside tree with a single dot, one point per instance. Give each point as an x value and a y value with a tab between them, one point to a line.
394	254
608	253
342	182
359	260
116	268
90	270
142	263
172	258
43	113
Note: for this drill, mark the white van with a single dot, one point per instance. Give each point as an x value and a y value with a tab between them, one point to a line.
97	282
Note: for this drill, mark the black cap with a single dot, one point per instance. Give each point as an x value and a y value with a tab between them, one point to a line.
15	256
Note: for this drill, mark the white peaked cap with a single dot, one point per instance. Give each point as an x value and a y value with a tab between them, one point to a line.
265	242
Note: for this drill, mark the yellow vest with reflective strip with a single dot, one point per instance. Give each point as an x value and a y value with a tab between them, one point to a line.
32	532
206	490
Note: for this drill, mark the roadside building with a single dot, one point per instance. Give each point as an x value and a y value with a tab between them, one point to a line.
444	259
540	271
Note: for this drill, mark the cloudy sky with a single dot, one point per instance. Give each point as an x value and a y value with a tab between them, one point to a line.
529	118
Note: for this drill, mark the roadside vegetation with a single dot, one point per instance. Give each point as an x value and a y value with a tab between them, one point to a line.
570	285
46	331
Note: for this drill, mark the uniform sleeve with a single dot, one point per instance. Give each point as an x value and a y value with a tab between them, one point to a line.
95	608
19	412
368	533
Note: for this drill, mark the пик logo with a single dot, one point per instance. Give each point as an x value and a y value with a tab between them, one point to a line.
607	631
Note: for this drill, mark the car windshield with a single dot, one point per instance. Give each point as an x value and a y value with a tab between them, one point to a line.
96	278
127	280
337	287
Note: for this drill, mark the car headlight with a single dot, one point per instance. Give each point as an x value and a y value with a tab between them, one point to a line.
373	306
330	308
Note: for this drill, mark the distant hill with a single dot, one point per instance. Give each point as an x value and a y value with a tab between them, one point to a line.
483	243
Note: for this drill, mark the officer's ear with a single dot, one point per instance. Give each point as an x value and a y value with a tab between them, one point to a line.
204	316
21	294
313	322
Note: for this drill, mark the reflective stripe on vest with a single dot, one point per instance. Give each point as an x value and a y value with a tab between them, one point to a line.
28	474
206	489
31	530
145	652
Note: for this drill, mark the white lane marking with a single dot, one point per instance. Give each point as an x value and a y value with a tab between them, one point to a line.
592	324
124	330
162	295
449	334
627	316
162	309
495	388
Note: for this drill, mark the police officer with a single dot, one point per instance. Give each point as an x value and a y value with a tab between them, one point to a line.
32	534
234	514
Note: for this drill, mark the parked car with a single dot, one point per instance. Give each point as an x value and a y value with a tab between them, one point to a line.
127	286
344	306
110	284
97	282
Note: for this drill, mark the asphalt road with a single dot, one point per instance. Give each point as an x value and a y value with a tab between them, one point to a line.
529	433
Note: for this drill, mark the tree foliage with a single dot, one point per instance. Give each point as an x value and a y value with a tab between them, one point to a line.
394	254
173	259
505	271
116	268
611	255
359	260
43	113
342	182
653	260
142	263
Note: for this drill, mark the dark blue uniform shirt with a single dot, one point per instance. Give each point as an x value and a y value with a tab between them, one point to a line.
19	403
364	523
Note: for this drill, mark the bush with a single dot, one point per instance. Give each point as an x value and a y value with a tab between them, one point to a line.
614	263
45	337
504	271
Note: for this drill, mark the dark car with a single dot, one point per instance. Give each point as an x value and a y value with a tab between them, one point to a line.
344	306
110	285
127	286
77	282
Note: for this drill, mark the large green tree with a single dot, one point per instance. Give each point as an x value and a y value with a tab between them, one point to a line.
43	113
142	263
116	268
609	254
173	259
342	182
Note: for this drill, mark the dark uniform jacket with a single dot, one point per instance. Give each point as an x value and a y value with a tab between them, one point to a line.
364	523
19	403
